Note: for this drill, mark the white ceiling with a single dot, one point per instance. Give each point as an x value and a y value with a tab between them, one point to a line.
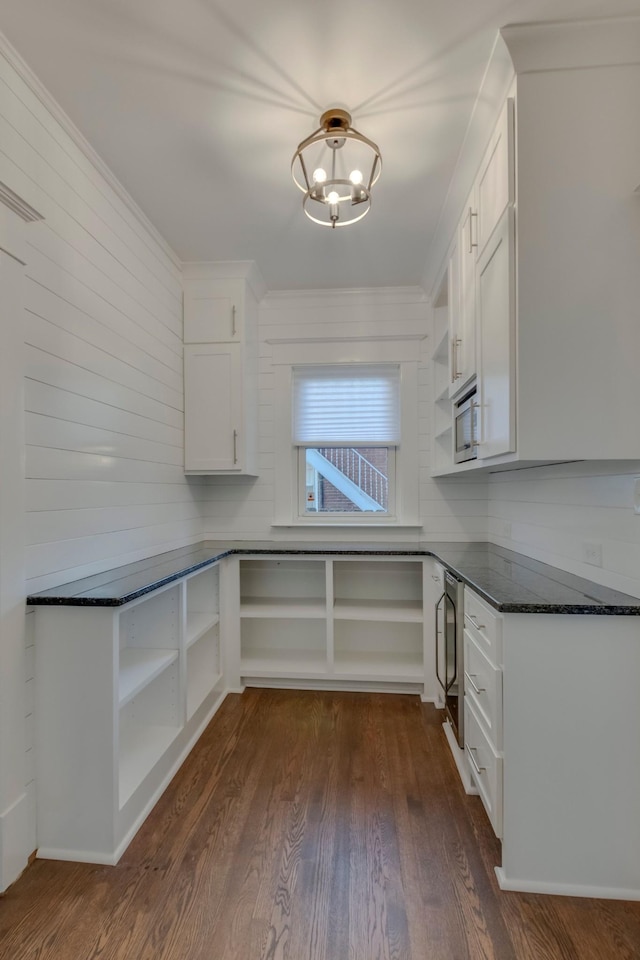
198	105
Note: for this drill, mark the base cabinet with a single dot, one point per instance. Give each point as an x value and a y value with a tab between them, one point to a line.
121	696
552	718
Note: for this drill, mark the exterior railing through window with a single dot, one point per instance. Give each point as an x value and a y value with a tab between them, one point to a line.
360	471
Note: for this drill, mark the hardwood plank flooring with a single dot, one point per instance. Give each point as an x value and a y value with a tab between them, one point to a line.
309	826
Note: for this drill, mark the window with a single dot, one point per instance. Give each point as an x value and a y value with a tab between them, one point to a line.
346	426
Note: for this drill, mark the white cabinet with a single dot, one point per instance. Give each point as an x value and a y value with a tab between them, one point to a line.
461	303
494	189
214	311
220	376
558	776
122	693
557	284
483	703
215	438
496	341
349	621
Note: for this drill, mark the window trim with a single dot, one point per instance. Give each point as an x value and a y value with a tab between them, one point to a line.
286	355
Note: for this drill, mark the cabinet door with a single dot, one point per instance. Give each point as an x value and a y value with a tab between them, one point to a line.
496	327
467	334
213	311
453	296
461	274
495	185
213	407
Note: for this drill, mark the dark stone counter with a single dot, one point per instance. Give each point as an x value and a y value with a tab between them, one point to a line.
508	581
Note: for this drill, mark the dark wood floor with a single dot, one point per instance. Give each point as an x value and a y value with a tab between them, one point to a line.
309	826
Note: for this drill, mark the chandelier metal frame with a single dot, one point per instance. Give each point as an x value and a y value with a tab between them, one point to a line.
335	195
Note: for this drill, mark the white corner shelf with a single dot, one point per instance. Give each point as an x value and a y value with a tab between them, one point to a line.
138	667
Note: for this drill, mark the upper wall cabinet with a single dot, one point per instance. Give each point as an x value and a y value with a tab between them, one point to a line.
220	375
555	227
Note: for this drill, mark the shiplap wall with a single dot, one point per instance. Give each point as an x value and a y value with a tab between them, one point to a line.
243	508
103	333
552	511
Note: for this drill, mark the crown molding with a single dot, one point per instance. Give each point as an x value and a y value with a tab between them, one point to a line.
227	270
573	44
51	105
19	206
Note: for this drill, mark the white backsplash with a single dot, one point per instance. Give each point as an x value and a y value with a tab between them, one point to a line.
562	513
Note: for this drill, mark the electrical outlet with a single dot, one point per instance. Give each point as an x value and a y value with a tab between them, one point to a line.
592	553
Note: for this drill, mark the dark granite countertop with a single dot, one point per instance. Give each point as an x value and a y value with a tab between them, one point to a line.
508	581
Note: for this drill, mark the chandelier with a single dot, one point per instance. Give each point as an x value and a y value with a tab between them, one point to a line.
336	168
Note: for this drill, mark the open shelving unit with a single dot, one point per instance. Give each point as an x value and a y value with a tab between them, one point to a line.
333	621
202	636
283	611
127	691
442	423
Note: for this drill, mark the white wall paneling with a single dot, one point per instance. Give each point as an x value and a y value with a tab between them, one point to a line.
96	329
550	513
103	328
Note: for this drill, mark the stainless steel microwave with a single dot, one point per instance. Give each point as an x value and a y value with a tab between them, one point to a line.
465	426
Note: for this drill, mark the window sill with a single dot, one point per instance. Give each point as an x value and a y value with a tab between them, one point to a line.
353	525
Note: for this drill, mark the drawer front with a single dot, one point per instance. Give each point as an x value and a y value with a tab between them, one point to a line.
485	766
483	686
484	625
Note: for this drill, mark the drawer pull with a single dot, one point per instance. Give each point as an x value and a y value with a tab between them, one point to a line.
474	762
474	620
471	678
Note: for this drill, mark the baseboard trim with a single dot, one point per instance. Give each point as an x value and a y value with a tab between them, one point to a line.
460	760
564	889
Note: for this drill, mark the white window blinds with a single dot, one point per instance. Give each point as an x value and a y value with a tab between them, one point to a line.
354	404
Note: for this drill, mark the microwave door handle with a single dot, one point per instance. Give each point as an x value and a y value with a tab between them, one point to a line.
450	683
444	626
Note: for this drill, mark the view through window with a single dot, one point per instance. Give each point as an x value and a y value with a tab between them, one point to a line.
347	479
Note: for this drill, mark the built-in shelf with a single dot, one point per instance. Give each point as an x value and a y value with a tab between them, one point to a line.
443	394
379	665
141	746
198	624
200	686
390	611
138	667
284	663
441	349
444	432
296	608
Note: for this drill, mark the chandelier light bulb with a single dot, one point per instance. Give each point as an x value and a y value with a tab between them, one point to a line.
333	197
355	176
319	175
